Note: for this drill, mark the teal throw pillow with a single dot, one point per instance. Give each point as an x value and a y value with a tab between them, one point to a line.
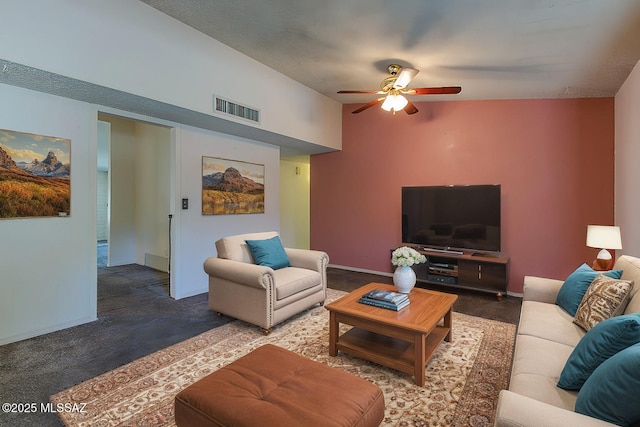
269	252
611	392
576	285
601	342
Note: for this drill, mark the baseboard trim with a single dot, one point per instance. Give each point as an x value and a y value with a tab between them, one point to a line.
46	330
192	293
156	262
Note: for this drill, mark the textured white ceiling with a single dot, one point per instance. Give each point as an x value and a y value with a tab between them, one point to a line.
494	49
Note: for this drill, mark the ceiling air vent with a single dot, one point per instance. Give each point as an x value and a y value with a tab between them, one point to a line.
231	108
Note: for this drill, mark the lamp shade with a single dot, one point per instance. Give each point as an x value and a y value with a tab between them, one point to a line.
604	237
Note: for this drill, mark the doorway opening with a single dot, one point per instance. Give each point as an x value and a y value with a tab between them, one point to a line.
133	193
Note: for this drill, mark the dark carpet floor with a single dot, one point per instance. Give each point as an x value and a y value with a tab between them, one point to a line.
137	317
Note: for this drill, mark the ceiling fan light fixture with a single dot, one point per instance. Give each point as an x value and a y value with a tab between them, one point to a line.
400	102
394	86
394	102
388	103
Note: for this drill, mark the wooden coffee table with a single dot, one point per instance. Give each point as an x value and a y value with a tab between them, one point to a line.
404	340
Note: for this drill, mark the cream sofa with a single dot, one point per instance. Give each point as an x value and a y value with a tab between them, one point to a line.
545	339
258	294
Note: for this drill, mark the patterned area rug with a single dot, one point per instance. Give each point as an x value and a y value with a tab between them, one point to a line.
463	378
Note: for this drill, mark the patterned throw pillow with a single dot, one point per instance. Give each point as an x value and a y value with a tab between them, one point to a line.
573	289
605	298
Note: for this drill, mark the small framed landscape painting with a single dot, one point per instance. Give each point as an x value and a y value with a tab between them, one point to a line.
35	175
231	187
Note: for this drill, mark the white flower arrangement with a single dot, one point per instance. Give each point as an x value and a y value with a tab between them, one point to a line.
406	256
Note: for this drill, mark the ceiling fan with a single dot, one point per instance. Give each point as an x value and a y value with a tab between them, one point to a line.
395	87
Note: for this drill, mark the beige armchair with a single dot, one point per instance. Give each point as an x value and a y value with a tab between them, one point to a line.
261	295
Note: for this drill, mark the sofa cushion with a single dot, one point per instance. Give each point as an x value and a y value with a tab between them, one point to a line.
290	281
603	341
576	285
550	322
543	389
535	376
269	253
611	392
527	360
605	298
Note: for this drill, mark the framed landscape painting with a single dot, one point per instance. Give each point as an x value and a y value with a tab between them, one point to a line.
35	172
231	187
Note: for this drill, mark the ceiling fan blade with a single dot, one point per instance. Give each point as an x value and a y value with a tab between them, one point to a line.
410	108
366	106
358	91
447	90
404	77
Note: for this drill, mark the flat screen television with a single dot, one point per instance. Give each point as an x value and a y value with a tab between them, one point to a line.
452	217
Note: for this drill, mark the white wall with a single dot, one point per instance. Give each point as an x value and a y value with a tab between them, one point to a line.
48	265
129	46
195	239
627	135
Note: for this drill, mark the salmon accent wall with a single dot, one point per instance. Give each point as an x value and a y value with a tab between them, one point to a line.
554	159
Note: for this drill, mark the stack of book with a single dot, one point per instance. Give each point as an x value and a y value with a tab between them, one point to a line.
385	299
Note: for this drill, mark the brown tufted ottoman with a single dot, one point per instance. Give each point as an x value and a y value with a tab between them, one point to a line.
272	386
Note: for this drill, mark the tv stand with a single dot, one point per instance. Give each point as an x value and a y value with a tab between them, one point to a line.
486	254
486	272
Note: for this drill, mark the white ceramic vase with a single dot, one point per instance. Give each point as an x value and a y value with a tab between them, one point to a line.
404	278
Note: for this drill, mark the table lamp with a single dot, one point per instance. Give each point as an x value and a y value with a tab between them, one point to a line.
607	239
